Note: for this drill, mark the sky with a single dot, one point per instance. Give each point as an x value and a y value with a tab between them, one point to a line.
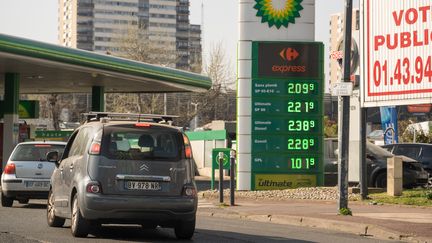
37	19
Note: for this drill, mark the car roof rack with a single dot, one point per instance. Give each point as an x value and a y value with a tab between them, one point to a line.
96	116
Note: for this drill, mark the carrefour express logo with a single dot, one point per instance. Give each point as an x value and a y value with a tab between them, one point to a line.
278	12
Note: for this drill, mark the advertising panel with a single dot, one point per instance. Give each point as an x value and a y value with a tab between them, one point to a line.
398	46
389	124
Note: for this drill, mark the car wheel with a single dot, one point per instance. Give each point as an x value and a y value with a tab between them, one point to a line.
381	180
52	219
6	201
80	227
185	229
23	201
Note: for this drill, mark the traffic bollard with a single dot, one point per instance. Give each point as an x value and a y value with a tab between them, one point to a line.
232	174
221	156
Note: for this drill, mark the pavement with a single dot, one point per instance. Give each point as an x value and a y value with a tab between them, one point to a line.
387	222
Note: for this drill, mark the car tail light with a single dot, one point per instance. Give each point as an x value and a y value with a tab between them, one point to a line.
189	191
188	148
43	145
10	169
94	187
142	125
95	148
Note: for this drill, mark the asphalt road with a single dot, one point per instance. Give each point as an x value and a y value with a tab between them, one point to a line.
27	223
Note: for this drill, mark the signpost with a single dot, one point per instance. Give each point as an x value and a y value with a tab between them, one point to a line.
397	60
53	135
27	109
219	154
287	115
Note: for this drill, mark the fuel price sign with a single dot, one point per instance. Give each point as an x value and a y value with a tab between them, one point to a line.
287	114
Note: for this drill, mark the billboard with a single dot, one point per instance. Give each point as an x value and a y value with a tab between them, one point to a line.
397	61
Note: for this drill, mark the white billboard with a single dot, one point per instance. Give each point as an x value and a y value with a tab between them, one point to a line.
396	52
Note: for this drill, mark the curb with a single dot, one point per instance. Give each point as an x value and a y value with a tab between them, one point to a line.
366	230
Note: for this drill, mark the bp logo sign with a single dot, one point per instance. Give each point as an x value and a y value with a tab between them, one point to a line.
225	159
278	12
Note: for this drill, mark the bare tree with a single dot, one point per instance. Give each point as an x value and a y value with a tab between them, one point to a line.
141	45
54	110
213	103
153	48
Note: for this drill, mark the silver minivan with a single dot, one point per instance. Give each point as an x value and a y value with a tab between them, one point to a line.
131	172
27	173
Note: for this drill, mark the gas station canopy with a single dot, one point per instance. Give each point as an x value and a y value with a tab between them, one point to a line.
47	68
32	67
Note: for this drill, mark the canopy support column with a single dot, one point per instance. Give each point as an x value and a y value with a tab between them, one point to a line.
98	99
11	123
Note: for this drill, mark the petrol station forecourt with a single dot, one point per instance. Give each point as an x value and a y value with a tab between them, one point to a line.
33	67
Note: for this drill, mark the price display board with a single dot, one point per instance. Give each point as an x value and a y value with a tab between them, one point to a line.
287	115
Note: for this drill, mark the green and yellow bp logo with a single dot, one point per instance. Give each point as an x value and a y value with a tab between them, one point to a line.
278	12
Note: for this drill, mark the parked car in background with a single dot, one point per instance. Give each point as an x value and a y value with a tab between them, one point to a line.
422	152
27	173
376	137
124	171
330	162
376	161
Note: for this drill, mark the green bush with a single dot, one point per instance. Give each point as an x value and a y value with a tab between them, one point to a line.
407	136
345	211
330	128
428	195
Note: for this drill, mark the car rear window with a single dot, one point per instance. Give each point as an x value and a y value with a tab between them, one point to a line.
426	154
141	143
409	151
35	152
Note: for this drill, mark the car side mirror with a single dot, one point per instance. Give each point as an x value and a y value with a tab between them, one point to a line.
53	156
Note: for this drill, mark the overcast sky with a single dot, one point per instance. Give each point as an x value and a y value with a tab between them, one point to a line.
37	19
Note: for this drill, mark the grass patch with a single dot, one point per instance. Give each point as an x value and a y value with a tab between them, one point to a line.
417	197
345	212
223	205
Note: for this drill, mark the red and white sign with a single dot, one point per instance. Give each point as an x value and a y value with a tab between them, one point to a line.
397	52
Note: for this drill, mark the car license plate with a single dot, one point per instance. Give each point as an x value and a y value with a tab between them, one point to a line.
143	185
37	184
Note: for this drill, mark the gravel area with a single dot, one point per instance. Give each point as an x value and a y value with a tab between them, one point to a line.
309	193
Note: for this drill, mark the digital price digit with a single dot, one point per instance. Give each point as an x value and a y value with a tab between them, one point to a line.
302	163
301	125
300	143
300	88
300	106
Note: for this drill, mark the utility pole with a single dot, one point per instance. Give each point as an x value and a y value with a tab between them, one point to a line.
345	116
363	166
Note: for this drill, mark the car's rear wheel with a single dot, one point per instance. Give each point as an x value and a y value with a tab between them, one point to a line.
80	227
52	219
381	180
6	201
185	229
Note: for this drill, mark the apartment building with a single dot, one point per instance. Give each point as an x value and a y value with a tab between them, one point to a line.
100	25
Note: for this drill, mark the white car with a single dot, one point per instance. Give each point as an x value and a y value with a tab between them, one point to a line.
27	173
